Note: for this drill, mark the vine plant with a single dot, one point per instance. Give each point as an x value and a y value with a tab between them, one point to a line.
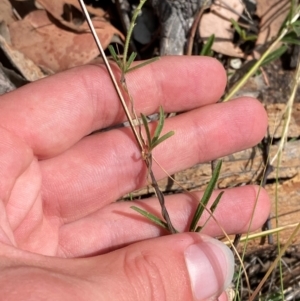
148	143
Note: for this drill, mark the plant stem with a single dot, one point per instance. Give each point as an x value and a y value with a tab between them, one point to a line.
242	82
160	196
110	72
130	30
138	136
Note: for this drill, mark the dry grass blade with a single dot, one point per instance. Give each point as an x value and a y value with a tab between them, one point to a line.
275	262
111	74
288	112
286	28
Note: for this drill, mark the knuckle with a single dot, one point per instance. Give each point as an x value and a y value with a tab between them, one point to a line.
144	272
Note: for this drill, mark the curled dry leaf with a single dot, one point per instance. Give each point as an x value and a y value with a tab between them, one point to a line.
68	9
6	13
272	14
56	49
24	65
217	22
5	84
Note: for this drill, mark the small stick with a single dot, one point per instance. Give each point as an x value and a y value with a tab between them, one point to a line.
194	28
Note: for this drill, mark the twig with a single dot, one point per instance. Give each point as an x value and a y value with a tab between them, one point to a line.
194	28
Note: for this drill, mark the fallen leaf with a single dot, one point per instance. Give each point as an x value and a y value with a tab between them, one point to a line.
6	13
54	48
26	67
5	84
272	14
217	22
61	8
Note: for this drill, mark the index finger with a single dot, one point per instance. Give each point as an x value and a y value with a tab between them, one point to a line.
52	114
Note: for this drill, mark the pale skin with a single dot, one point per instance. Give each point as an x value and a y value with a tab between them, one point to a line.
62	235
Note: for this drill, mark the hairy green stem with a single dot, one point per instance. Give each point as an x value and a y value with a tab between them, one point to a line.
112	76
130	30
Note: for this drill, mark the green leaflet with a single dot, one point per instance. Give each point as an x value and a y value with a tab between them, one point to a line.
150	216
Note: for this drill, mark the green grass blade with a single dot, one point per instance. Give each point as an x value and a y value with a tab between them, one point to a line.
145	122
161	139
150	216
206	196
212	209
274	55
216	202
143	64
206	49
160	125
130	60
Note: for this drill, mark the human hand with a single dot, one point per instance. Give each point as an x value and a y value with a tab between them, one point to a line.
63	237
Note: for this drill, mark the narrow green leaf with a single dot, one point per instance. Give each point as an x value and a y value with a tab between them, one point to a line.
130	60
115	56
150	216
291	38
236	27
212	209
297	23
206	196
159	126
216	202
143	64
145	122
206	49
242	33
297	30
112	52
274	55
249	37
161	139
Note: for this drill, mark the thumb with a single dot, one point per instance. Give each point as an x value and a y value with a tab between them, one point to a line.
186	266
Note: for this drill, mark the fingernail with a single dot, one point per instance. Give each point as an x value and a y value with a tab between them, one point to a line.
210	264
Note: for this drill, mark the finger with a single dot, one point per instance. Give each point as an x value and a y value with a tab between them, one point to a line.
118	224
58	111
179	267
15	157
104	167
